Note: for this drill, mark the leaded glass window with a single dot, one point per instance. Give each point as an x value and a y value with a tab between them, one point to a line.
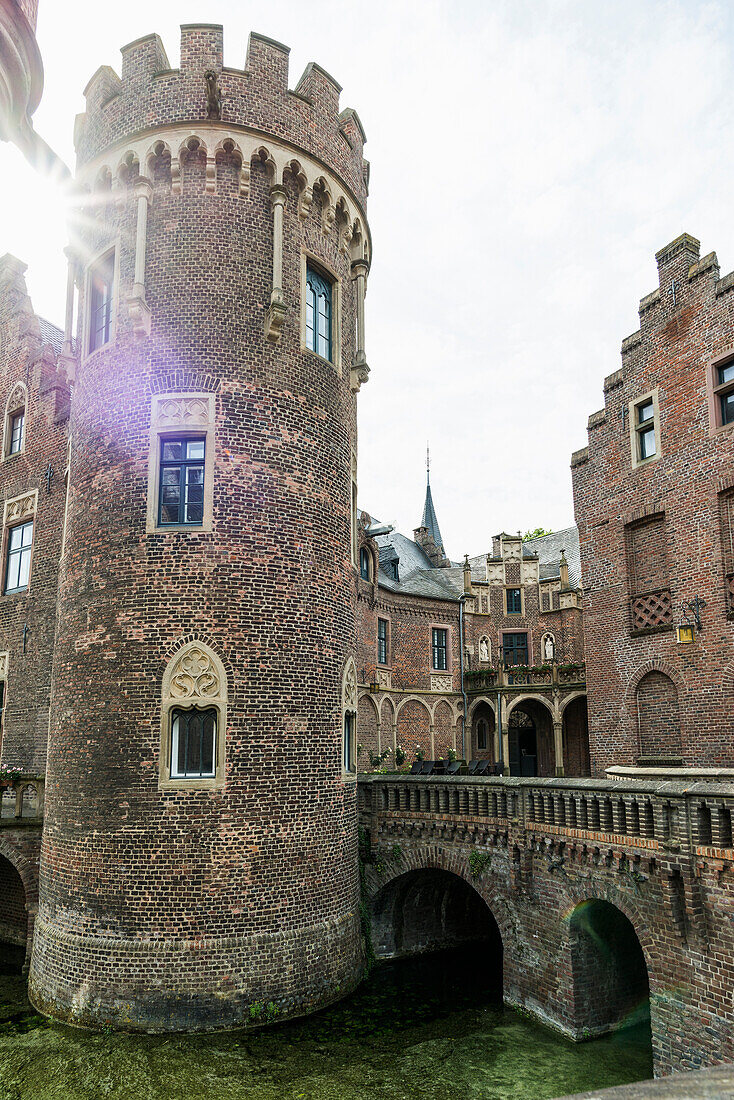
439	648
319	295
181	497
193	743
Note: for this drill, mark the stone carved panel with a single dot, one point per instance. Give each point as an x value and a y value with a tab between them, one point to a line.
442	683
182	411
384	679
195	676
495	573
21	508
349	691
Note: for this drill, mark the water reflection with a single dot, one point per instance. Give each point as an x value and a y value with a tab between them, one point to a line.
431	1028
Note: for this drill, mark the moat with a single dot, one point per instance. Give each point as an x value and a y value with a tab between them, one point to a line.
431	1028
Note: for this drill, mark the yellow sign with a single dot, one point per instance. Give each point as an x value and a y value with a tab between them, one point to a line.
685	634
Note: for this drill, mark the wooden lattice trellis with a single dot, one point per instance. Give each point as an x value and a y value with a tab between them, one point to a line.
652	609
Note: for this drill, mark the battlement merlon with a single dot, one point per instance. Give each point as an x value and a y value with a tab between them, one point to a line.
150	95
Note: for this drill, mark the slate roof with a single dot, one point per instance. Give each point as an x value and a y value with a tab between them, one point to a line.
548	549
52	335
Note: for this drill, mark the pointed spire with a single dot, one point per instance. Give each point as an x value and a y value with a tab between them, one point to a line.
429	512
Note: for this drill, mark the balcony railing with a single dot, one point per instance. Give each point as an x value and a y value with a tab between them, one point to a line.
642	814
537	676
21	800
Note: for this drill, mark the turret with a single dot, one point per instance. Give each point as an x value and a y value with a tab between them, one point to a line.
199	855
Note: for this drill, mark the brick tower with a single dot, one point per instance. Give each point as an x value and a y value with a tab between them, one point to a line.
199	853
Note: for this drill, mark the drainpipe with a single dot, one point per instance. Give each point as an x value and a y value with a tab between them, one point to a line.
461	666
498	724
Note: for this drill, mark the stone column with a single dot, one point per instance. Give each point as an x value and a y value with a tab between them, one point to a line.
558	742
67	359
138	308
360	371
276	312
505	745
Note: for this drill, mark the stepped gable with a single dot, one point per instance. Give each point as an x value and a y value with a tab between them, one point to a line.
150	95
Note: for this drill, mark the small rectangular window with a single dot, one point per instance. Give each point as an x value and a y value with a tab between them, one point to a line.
382	641
645	429
349	762
724	392
319	297
514	601
439	648
17	425
181	497
515	649
101	285
18	563
193	743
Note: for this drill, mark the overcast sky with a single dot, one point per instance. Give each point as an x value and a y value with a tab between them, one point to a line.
528	160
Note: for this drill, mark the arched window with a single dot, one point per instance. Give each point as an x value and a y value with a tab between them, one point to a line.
193	743
349	719
15	421
193	719
319	295
364	564
482	734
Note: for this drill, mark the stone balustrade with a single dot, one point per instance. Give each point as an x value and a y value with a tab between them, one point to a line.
693	818
513	677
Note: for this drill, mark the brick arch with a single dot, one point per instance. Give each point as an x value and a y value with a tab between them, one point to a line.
654	665
444	731
456	863
413	726
654	962
571	698
368	719
481	699
27	870
656	714
528	699
387	710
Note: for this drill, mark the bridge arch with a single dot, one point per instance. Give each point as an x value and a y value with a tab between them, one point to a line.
609	968
18	899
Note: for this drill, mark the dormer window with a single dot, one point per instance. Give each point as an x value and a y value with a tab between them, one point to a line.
319	299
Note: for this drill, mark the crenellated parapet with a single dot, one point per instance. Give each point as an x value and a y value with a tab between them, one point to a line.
149	97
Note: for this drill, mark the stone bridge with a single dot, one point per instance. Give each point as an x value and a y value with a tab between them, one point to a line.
593	896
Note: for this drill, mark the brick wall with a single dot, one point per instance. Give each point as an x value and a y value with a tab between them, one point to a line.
686	326
658	716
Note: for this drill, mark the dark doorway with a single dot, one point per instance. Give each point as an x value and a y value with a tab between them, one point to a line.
523	744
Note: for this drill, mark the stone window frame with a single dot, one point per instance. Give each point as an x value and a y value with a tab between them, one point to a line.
17	511
175	415
634	428
449	662
113	247
513	614
17	401
185	688
309	258
366	558
385	618
348	707
529	636
714	390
